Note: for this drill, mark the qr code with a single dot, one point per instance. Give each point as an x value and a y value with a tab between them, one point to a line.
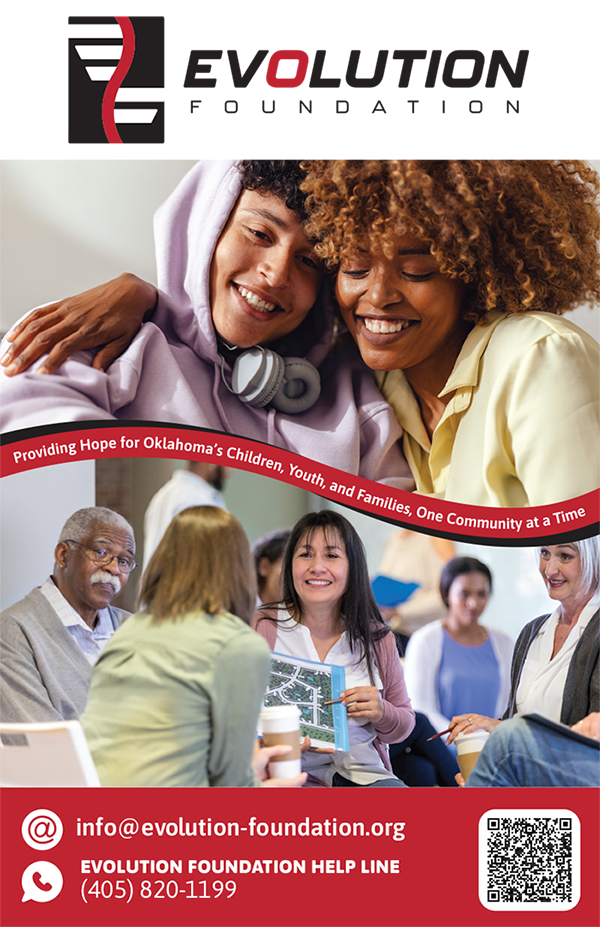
529	859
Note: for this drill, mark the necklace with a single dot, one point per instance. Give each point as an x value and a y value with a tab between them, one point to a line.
472	638
563	630
560	636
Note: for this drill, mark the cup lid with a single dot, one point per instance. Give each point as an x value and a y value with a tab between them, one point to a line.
472	735
280	711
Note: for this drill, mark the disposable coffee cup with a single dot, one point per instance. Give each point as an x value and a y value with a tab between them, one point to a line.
468	748
281	725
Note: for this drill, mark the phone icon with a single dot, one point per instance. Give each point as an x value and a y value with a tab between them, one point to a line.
36	878
42	881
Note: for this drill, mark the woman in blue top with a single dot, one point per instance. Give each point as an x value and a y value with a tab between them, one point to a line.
458	661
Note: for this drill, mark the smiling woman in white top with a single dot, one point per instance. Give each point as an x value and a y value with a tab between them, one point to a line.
555	664
328	615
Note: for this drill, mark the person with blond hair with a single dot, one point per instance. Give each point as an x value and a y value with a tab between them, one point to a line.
555	673
174	699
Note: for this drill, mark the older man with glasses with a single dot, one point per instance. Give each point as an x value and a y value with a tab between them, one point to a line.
50	640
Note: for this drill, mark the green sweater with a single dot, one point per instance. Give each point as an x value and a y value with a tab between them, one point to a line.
176	703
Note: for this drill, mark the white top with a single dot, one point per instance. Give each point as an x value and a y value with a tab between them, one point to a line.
91	641
422	662
361	764
542	682
183	490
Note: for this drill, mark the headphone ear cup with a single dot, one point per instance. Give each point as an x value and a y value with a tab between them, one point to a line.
257	375
300	388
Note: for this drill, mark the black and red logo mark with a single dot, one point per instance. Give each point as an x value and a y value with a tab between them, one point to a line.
116	73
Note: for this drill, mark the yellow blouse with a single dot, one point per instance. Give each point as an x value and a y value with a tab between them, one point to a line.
522	425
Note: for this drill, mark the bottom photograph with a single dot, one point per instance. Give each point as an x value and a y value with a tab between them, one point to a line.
173	623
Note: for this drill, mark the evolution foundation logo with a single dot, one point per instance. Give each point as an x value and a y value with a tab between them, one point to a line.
116	75
351	74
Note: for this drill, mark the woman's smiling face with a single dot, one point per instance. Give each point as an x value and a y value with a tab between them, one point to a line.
560	568
402	311
320	569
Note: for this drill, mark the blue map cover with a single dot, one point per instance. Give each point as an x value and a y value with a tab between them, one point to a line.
308	685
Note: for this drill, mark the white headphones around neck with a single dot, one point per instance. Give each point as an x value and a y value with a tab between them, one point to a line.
260	377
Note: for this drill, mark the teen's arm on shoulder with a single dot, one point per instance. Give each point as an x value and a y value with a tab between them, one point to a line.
105	317
77	391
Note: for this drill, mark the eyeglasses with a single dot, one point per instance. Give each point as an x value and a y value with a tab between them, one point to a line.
104	557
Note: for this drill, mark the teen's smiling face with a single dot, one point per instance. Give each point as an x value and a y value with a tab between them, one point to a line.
320	569
264	275
401	311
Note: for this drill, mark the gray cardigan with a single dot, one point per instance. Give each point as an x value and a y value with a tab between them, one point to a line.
582	688
44	675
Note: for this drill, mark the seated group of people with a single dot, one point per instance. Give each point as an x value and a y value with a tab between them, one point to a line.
171	696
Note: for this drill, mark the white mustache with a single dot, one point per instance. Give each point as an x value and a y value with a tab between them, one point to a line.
100	576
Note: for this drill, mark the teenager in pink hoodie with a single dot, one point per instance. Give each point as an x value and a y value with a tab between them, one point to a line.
235	270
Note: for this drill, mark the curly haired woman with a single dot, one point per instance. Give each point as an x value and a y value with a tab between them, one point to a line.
452	276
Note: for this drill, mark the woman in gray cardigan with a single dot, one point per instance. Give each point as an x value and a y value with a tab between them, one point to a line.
555	662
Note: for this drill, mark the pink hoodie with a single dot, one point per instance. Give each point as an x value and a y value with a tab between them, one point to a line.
171	372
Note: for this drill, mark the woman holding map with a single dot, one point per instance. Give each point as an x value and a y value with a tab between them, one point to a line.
328	615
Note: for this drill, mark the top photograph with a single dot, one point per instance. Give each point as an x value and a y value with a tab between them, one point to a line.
405	321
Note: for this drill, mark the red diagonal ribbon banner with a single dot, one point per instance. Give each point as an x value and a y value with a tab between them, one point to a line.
574	519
